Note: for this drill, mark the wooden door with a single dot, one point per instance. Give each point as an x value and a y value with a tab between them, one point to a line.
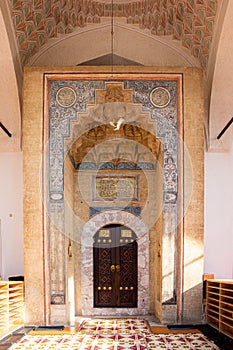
115	267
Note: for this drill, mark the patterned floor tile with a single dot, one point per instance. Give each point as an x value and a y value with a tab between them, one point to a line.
115	335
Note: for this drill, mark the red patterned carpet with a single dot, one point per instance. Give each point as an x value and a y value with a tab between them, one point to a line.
100	334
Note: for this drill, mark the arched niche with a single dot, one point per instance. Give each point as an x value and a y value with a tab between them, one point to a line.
104	152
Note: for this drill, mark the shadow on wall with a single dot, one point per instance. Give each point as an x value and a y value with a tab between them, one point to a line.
192	305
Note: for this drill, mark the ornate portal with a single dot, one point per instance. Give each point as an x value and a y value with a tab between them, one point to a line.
111	126
77	136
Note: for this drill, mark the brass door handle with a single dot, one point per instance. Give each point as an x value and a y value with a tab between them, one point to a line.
116	268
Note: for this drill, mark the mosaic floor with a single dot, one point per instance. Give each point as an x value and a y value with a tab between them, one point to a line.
113	335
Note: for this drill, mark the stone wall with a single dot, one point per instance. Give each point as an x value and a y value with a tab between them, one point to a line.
176	250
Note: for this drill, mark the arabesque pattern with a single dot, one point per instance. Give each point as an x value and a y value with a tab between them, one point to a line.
189	21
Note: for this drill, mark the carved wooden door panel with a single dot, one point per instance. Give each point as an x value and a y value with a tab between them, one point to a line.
115	267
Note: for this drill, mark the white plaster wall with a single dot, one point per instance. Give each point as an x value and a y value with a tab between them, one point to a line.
9	93
129	42
219	214
11	214
221	103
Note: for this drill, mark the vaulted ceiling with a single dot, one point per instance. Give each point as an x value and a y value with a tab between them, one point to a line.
193	33
189	21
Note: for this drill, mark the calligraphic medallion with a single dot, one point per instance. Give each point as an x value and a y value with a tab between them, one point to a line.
66	96
160	97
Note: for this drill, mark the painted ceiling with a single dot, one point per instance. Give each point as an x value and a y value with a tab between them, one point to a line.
189	21
187	33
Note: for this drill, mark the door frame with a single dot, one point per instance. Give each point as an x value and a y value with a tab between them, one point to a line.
87	237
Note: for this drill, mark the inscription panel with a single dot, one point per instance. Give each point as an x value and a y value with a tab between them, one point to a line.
115	187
